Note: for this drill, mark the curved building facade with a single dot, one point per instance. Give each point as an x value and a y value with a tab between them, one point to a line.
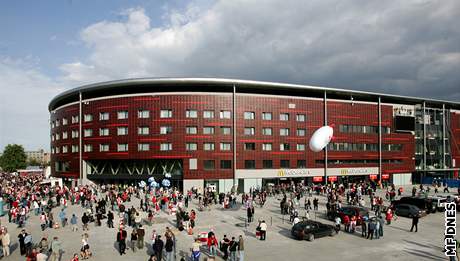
222	133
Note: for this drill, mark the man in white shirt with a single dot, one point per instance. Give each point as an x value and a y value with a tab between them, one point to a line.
263	230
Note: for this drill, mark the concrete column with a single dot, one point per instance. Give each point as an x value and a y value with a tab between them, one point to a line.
80	139
325	149
380	139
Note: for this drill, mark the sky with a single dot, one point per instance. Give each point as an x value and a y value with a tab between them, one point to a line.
409	47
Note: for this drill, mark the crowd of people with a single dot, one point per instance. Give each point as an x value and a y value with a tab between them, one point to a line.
116	207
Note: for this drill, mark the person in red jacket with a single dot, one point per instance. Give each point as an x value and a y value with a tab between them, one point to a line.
389	216
212	245
346	223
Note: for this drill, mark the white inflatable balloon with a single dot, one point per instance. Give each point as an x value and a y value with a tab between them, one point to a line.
320	138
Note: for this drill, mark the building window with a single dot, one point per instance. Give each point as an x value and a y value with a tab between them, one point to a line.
284	132
104	132
104	116
266	116
267	131
267	164
52	124
225	146
249	115
191	130
209	164
143	114
53	151
74	119
166	113
57	123
165	146
249	164
57	150
249	131
74	148
165	130
300	117
301	164
191	146
122	115
64	149
52	137
225	164
284	146
88	148
225	114
58	137
88	117
122	147
64	121
284	164
250	146
143	147
191	114
267	146
87	133
122	131
74	134
300	147
225	130
103	147
208	130
284	116
301	132
208	114
64	135
143	130
208	146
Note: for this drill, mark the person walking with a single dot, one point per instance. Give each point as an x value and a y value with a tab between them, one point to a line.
233	248
241	248
212	245
22	245
73	222
134	239
363	229
414	223
169	247
263	230
315	203
62	217
196	250
28	244
55	249
158	246
85	221
85	253
140	237
6	241
121	239
249	214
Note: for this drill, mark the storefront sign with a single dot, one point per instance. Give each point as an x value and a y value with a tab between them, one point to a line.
332	178
317	179
385	176
293	172
358	171
373	177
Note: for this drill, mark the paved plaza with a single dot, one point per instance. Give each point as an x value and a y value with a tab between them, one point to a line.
397	243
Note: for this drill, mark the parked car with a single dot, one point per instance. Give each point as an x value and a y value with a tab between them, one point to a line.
350	211
439	202
407	210
310	230
424	204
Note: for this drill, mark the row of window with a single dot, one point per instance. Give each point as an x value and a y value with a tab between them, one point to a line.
359	161
345	146
208	130
251	164
362	129
167	113
189	146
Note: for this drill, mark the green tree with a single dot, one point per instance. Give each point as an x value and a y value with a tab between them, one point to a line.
13	158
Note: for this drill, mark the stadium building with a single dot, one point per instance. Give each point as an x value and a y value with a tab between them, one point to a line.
225	133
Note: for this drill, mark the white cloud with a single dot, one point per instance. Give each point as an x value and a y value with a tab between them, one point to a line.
402	47
375	45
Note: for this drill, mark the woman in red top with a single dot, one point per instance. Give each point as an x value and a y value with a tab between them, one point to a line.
212	245
389	216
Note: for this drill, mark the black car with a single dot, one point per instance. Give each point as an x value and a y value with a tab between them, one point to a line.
407	210
424	204
311	229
